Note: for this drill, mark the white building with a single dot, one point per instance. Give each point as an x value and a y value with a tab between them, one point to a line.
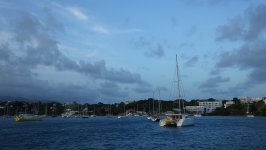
210	105
228	103
195	109
245	99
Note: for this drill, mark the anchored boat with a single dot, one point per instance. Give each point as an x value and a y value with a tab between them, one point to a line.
27	117
178	119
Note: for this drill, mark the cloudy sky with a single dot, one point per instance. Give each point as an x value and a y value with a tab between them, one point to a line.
109	51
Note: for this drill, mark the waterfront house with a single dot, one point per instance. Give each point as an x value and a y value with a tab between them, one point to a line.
228	103
210	106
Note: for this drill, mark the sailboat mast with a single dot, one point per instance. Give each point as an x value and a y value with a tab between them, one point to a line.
153	104
178	83
159	101
93	109
46	109
124	109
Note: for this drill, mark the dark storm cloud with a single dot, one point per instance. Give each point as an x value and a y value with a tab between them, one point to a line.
238	29
213	82
20	81
34	44
152	50
192	61
215	72
142	42
156	52
112	90
47	53
143	90
232	31
98	70
124	76
257	21
250	56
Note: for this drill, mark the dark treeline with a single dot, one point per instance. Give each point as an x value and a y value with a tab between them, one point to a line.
257	108
55	108
11	108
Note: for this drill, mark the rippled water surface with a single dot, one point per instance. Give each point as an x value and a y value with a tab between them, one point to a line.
133	133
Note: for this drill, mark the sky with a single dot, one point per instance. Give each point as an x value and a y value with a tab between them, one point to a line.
112	51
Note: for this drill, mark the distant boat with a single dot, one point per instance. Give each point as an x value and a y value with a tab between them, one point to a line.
197	115
27	117
248	113
109	114
85	112
124	115
85	116
93	115
155	118
120	117
177	119
250	116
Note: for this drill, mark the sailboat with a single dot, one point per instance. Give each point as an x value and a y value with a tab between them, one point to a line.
93	115
248	113
27	117
176	117
109	115
121	116
156	116
85	112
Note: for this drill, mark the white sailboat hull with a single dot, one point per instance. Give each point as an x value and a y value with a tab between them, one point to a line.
155	119
178	120
185	121
197	115
167	123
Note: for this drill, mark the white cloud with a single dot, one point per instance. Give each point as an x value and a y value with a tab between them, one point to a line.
78	13
100	29
6	5
5	36
131	30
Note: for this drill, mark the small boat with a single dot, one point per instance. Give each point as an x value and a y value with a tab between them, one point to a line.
27	117
177	119
124	113
169	121
249	115
155	118
197	115
85	116
120	117
93	115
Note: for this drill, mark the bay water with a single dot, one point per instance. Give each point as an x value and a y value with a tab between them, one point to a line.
215	132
